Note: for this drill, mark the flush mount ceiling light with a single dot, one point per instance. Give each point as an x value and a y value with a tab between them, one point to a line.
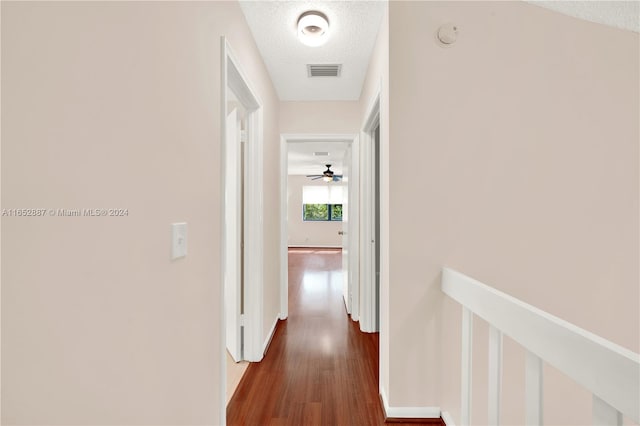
313	28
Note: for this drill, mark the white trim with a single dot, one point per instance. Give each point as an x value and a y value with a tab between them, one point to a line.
447	418
267	341
385	400
413	412
407	412
607	370
373	111
284	232
354	229
368	313
221	299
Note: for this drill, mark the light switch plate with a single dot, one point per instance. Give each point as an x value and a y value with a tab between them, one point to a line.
178	240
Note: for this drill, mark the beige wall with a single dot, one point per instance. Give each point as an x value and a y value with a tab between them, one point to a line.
516	150
315	118
252	60
118	105
308	234
527	145
320	117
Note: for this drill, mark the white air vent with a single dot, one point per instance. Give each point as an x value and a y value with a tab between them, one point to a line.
324	70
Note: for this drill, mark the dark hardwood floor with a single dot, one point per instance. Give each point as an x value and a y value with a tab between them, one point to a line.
319	368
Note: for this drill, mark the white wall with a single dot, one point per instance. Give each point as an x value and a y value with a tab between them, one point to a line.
308	234
513	158
118	105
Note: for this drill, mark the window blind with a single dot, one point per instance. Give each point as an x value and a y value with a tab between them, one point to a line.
322	194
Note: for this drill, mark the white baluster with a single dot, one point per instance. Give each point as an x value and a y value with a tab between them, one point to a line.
604	414
533	390
495	375
467	345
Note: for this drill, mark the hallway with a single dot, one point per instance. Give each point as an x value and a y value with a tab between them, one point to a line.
319	369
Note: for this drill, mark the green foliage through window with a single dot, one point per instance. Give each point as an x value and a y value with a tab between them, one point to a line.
322	212
336	211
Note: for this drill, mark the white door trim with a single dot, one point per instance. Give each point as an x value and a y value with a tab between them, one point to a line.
233	77
354	215
368	313
232	234
284	232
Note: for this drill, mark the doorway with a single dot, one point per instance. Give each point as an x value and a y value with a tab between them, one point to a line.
242	258
235	223
343	234
235	219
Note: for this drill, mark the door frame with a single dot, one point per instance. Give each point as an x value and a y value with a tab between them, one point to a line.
369	315
234	78
354	215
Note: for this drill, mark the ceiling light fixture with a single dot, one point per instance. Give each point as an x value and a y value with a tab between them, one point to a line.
313	28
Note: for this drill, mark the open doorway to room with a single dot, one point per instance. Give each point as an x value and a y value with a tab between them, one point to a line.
319	184
241	166
235	175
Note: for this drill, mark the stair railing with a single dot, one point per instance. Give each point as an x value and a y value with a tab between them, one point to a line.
610	372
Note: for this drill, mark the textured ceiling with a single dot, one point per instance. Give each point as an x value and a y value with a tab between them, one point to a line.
621	14
353	27
301	160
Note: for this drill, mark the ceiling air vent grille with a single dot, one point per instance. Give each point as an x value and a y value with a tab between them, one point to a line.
324	70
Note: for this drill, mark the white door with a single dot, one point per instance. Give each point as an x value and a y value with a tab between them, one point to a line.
345	229
232	229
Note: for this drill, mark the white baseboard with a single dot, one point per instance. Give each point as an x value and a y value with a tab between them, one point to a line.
447	418
408	412
265	345
346	308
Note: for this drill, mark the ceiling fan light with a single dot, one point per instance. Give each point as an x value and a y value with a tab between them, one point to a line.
327	178
313	28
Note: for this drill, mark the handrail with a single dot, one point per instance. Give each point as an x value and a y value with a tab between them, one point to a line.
610	372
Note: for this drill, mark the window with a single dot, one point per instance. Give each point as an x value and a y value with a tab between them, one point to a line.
322	203
321	212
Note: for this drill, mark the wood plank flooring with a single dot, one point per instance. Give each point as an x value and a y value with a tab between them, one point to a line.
319	369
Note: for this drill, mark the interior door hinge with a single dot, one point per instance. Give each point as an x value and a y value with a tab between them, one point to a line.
242	320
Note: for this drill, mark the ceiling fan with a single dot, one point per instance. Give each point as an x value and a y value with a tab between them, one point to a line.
327	175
